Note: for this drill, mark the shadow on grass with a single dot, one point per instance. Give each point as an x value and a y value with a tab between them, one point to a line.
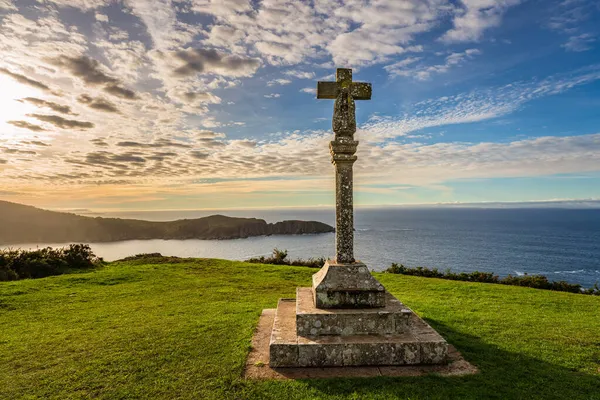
504	375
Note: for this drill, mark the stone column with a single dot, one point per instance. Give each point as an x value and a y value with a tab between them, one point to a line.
343	158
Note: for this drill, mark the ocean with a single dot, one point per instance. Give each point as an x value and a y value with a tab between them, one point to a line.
563	244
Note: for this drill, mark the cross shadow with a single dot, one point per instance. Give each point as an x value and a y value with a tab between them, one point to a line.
503	375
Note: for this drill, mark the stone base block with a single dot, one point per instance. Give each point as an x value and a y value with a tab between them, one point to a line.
347	286
420	344
312	321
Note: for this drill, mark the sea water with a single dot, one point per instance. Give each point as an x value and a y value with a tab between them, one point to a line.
563	244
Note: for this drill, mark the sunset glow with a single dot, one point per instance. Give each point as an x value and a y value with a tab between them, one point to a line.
190	104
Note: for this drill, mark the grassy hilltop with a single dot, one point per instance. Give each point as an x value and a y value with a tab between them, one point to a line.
181	329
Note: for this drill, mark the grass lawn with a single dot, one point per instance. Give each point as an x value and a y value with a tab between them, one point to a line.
182	331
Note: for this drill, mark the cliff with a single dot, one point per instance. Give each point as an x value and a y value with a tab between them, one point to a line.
26	224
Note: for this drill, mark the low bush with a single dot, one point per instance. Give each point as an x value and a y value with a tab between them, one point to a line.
532	281
23	264
279	257
153	258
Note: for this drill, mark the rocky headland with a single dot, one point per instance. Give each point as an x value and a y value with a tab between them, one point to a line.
26	224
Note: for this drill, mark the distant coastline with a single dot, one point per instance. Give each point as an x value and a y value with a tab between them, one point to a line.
27	224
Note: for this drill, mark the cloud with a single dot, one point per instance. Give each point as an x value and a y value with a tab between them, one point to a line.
224	36
25	80
478	105
279	81
91	72
98	103
48	104
580	43
272	95
7	5
162	24
205	134
17	151
26	125
569	15
199	155
196	61
475	17
157	144
83	5
197	98
161	156
442	162
36	143
61	122
351	32
310	90
86	68
424	72
300	74
244	143
106	158
101	17
120	91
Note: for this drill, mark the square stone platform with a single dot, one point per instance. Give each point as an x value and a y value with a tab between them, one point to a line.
306	336
257	363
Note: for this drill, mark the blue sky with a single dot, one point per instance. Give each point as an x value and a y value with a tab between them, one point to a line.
184	104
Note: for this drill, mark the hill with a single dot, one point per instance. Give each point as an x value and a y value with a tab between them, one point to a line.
153	329
26	224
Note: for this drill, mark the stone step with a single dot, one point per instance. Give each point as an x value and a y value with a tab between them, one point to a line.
420	345
312	321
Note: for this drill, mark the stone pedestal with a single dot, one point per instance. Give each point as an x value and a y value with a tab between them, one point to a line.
347	318
306	336
347	286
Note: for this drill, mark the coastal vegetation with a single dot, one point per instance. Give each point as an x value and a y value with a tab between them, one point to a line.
22	264
148	329
532	281
280	257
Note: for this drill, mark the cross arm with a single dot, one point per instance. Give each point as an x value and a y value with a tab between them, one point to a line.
360	91
327	90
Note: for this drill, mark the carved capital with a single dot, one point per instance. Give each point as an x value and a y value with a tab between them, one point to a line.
342	151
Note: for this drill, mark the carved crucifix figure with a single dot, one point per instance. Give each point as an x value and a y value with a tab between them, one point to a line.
344	92
342	149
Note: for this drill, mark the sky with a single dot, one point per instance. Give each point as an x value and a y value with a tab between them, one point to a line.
193	104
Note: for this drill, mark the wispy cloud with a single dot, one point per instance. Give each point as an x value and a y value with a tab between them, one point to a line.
580	43
421	71
478	105
475	17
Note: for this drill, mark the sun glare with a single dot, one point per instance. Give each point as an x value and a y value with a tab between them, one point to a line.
11	109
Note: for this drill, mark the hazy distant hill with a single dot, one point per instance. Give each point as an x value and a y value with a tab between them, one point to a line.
26	224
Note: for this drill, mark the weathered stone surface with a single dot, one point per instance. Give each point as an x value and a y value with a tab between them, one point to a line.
344	91
347	286
258	367
284	334
347	318
314	354
313	321
419	344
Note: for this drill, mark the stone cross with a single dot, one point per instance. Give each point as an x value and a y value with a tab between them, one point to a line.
342	149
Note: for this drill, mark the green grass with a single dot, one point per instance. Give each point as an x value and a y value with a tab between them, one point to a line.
182	330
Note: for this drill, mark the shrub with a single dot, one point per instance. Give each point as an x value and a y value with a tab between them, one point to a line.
141	256
39	263
532	281
279	257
